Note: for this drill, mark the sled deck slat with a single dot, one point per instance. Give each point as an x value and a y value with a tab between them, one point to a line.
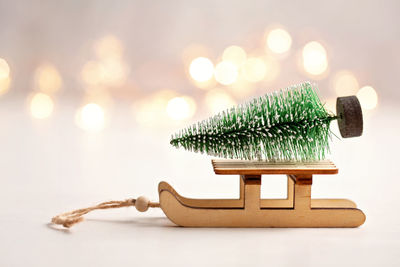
243	167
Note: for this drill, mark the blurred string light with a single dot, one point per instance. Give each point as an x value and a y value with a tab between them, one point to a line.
108	47
90	118
5	78
109	69
151	111
315	60
92	73
234	54
41	106
242	88
181	108
47	78
345	83
330	105
4	85
217	100
115	72
254	69
194	51
368	97
226	72
110	72
279	41
272	68
4	69
99	95
201	69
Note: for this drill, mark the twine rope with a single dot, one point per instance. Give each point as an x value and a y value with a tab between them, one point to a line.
71	218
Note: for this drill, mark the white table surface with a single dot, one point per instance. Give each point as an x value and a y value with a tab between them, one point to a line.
51	166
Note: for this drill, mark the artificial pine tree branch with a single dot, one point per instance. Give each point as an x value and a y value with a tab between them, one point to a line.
290	124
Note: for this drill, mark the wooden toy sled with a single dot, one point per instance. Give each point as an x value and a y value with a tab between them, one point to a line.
297	210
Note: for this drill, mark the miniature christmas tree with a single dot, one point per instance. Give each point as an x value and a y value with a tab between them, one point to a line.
290	124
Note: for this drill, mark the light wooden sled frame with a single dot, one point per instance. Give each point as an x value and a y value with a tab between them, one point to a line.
297	210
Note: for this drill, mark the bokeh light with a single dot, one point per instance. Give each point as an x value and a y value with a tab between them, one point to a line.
217	100
234	54
110	72
205	85
272	68
109	68
47	78
194	51
226	72
315	61
100	95
4	69
345	83
108	47
41	106
330	104
368	97
279	41
254	69
180	108
242	88
201	69
92	73
4	85
90	118
114	73
151	111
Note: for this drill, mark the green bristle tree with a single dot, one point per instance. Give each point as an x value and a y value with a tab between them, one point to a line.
290	124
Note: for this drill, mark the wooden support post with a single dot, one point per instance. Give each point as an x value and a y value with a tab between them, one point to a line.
290	189
252	187
241	192
302	191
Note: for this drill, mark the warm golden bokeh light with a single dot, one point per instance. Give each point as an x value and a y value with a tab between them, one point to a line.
4	85
254	69
241	88
4	69
114	73
110	72
217	101
194	51
330	104
279	41
315	60
90	118
151	111
41	106
108	47
201	69
180	108
47	78
99	95
205	85
345	83
234	54
226	72
92	73
272	68
368	97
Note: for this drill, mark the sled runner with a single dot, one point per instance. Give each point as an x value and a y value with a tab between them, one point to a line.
297	210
